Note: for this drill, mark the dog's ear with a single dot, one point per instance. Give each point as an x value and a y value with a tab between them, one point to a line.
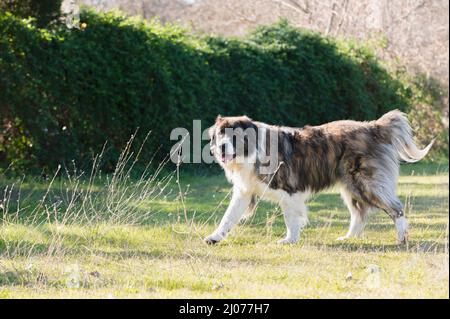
212	129
211	132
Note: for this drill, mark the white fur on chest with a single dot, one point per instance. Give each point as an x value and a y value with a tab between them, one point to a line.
245	180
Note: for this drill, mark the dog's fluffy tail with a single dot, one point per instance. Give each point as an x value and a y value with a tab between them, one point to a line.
401	134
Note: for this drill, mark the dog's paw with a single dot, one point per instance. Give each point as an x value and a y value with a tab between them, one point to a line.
212	239
403	238
343	238
287	241
402	230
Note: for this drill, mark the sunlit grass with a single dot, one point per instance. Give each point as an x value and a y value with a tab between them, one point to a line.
163	256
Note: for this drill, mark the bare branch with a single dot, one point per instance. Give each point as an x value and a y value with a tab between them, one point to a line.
405	16
343	15
295	5
333	14
242	16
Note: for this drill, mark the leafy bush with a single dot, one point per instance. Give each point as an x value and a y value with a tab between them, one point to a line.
63	92
44	11
428	101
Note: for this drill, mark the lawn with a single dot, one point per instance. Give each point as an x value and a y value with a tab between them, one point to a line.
115	236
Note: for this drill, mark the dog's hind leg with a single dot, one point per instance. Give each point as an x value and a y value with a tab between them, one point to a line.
380	191
372	180
394	208
358	214
382	196
295	214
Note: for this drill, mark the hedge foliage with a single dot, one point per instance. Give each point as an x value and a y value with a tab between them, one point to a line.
63	92
43	11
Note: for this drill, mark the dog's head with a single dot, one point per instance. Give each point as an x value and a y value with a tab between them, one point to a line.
233	139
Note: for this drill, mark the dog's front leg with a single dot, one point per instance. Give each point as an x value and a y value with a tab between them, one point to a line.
235	211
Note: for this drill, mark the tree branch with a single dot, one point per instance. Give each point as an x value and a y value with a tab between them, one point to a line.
295	5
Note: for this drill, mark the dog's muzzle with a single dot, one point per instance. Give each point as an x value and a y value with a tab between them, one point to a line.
226	153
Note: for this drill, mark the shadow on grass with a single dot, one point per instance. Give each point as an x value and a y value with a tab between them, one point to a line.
22	248
133	253
412	246
15	278
424	168
332	201
437	184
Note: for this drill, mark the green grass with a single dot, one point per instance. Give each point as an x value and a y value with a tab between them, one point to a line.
152	246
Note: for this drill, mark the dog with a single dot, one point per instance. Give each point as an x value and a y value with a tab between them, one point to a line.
361	157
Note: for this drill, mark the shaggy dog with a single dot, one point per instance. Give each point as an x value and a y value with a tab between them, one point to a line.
362	157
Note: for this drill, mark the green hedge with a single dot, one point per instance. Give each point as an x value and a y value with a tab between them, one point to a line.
63	93
45	12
